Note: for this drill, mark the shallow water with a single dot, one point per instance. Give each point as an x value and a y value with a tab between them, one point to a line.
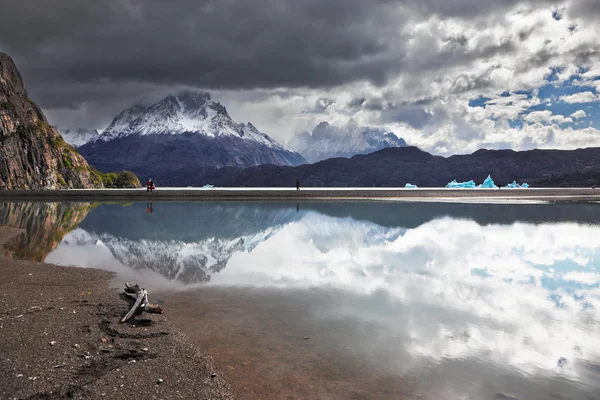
356	300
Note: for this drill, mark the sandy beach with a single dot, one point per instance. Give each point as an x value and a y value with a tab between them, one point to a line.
553	195
60	338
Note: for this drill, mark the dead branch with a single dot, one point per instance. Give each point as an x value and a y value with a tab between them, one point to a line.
141	302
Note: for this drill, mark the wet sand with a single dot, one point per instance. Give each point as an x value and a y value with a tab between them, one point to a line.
60	338
283	194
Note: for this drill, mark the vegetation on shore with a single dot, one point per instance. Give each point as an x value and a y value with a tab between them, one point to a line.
123	179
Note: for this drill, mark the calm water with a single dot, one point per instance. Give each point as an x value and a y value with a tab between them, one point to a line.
356	300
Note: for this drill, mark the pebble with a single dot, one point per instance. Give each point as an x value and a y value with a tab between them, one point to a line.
306	337
213	375
145	349
76	346
159	381
52	343
19	375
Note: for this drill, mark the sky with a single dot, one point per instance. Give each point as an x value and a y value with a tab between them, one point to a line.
449	76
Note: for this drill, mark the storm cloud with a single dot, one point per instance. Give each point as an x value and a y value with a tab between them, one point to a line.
287	64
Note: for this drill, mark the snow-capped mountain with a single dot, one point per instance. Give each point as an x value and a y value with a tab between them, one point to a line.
328	141
179	135
189	112
79	137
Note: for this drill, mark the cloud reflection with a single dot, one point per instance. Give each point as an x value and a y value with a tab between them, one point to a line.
519	294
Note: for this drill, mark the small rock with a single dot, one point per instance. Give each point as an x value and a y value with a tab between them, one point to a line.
76	346
159	381
19	375
58	366
19	316
213	375
52	342
306	337
131	362
145	349
104	340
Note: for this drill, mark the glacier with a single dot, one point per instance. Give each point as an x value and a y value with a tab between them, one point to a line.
488	183
461	185
515	185
410	186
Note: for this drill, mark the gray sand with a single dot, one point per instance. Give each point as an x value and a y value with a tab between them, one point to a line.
60	337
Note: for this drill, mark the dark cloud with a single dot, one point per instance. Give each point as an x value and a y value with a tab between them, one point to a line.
100	56
208	43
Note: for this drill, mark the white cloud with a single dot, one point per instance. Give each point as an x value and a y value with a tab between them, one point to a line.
546	116
581	97
579	114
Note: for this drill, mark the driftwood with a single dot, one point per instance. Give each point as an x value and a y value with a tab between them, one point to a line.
141	302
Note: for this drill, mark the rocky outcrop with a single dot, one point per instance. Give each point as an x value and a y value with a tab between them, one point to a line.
33	155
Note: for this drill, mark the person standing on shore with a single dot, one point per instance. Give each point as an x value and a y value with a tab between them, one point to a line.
297	184
149	185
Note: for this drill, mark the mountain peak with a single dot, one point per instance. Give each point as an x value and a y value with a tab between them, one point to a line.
329	141
352	123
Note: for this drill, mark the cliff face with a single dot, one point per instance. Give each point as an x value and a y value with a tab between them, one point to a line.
33	155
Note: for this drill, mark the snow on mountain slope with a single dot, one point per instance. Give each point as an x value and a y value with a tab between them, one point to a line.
79	137
188	112
328	141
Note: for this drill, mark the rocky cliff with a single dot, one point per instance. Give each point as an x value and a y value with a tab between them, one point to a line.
33	155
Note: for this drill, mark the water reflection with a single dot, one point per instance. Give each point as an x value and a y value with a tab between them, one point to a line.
503	291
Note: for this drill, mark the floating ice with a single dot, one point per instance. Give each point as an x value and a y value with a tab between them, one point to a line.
410	186
488	184
515	185
461	185
208	186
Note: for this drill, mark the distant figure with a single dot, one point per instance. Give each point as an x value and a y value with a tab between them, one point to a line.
297	184
149	185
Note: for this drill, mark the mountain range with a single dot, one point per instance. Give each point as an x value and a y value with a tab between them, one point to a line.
394	167
328	141
185	132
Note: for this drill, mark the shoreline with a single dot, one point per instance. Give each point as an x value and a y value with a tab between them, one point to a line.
60	337
551	195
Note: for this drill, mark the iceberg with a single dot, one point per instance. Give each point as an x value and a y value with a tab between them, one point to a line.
515	185
208	186
488	184
461	185
410	186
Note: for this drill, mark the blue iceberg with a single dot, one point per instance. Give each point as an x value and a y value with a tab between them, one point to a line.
410	186
488	184
461	185
515	185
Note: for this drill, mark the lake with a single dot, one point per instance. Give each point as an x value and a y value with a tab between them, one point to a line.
356	300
